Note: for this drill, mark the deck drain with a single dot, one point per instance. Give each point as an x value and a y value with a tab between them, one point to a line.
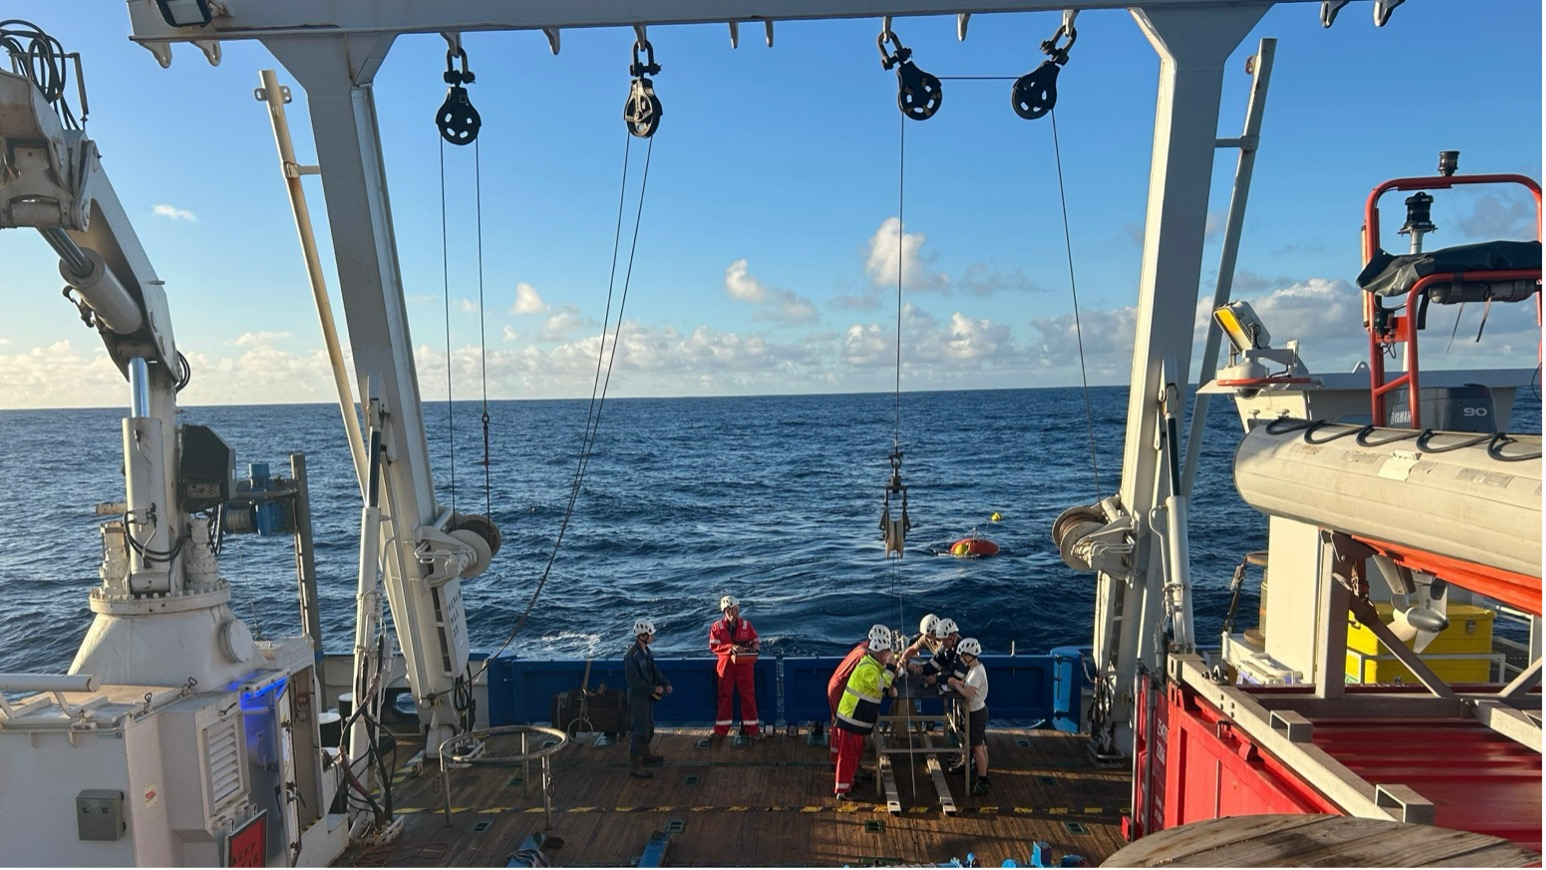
1046	780
676	827
690	780
1076	828
1021	741
703	744
481	827
874	827
516	782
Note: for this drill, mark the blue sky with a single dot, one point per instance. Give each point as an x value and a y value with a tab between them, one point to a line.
768	252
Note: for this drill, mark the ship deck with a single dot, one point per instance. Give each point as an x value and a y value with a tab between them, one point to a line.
762	803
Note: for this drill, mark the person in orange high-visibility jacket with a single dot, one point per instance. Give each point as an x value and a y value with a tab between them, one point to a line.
859	710
735	642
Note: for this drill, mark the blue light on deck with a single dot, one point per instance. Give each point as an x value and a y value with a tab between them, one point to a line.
255	700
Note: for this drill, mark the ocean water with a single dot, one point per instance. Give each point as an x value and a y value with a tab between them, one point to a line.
775	500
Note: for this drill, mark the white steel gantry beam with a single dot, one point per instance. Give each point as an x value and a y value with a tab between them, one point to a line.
1193	43
259	19
337	73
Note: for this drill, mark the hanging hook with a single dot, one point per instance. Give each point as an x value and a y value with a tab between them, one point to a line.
457	119
642	111
918	94
1036	93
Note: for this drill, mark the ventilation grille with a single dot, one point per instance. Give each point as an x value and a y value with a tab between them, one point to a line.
223	763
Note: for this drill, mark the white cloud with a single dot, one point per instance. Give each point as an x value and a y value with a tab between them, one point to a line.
1105	336
775	304
175	213
564	323
467	306
61	376
892	244
1495	217
510	334
741	285
259	339
527	300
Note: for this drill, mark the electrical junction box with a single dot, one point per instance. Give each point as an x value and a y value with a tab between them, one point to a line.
99	814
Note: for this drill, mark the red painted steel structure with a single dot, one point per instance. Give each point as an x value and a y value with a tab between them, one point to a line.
1192	763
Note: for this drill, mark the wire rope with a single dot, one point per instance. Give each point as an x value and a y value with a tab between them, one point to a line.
1068	245
445	279
599	385
901	182
896	437
488	483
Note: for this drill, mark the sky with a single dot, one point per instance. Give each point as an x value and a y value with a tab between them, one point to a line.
771	227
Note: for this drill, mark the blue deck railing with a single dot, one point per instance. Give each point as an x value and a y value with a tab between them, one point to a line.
1036	690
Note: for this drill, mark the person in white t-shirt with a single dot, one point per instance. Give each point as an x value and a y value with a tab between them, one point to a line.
974	688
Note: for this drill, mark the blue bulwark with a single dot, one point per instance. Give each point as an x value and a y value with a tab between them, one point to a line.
1030	690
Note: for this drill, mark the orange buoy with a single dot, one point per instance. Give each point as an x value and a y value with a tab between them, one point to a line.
973	547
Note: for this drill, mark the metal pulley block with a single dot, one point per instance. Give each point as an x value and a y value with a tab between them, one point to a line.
918	94
457	119
642	111
1036	93
894	530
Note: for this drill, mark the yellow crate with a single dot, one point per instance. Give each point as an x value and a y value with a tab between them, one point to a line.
1385	669
1470	631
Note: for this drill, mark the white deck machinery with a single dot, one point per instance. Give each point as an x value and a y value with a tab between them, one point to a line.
176	738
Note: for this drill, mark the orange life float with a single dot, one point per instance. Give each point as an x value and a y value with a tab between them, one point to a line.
973	547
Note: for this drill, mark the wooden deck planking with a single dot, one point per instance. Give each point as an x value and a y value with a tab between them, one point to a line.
765	803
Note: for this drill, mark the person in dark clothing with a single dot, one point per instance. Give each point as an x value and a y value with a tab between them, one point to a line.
646	685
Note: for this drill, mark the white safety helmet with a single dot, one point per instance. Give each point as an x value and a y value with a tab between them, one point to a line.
728	602
969	647
643	626
926	625
880	637
945	628
880	644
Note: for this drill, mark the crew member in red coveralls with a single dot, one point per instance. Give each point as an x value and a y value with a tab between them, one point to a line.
735	642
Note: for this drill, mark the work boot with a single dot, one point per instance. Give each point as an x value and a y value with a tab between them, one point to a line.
636	768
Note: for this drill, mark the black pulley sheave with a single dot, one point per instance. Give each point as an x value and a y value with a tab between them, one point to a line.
1036	93
457	119
918	94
